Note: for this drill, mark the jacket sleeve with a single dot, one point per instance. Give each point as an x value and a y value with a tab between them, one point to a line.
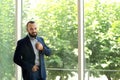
18	58
46	50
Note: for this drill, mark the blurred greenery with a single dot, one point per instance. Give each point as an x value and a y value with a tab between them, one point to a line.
102	37
7	39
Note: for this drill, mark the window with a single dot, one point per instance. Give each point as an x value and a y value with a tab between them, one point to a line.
7	39
102	45
57	20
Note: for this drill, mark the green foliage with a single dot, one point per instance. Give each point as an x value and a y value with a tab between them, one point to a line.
7	39
102	30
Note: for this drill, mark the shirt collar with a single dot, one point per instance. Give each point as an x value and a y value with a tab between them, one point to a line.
31	38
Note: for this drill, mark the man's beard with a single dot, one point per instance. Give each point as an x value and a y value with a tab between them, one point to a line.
33	35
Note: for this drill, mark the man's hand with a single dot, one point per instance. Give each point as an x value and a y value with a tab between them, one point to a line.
35	68
39	46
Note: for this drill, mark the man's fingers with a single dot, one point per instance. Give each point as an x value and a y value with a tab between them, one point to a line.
35	68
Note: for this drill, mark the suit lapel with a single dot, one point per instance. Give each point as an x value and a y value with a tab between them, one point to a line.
39	39
29	44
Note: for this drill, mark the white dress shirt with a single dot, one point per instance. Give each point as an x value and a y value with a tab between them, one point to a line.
34	41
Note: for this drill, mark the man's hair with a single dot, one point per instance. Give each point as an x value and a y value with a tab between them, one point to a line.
32	22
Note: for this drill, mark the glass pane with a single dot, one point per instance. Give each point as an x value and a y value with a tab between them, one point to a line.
102	39
57	21
7	39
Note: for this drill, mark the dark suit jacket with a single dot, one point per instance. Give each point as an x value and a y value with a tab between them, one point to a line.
24	56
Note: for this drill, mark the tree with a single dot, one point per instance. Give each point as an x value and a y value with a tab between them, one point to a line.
102	38
7	39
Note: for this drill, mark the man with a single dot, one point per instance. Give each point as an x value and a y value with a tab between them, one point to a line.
29	54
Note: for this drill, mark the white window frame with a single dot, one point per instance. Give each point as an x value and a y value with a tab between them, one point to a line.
18	6
81	58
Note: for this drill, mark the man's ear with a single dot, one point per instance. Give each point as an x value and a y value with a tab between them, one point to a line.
26	29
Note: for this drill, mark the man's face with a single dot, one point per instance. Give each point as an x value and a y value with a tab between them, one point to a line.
32	29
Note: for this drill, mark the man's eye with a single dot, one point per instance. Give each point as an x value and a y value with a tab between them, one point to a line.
31	29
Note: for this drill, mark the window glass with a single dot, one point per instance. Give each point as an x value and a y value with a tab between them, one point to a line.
7	39
102	39
57	21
